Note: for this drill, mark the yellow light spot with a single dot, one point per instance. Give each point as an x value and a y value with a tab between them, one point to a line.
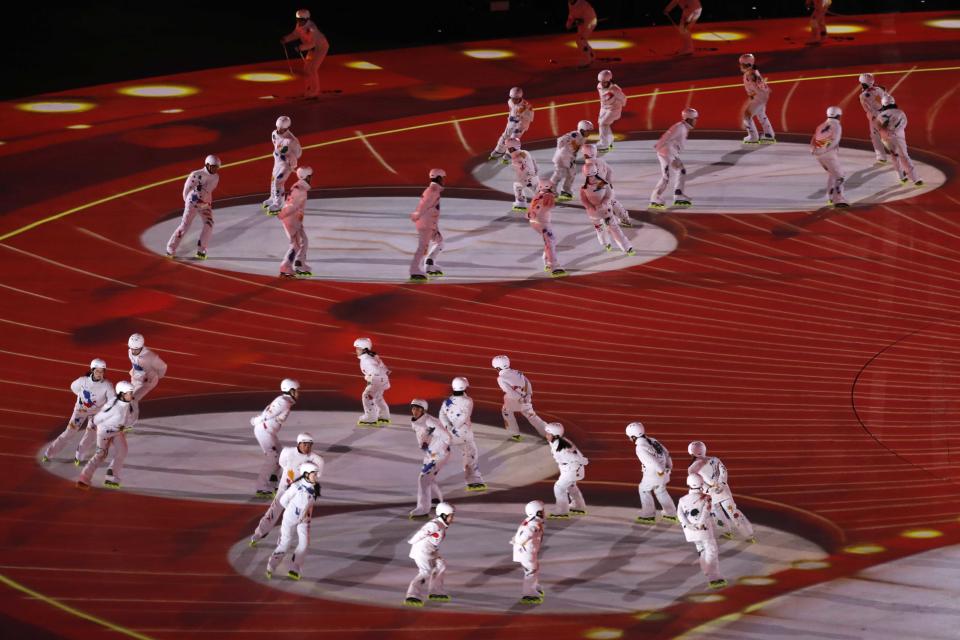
922	533
756	581
265	77
171	111
650	616
605	45
705	597
810	565
268	97
863	549
719	36
2	142
488	54
603	633
55	107
158	91
370	84
945	23
363	64
844	28
79	126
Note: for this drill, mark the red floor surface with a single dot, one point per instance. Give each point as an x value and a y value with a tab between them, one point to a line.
815	352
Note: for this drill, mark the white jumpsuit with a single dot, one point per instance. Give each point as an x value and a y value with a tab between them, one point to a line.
582	16
694	510
870	101
518	396
568	146
657	466
313	48
297	503
456	415
605	173
425	551
893	130
818	19
539	215
110	423
571	463
146	370
728	517
758	93
612	101
668	148
526	550
434	440
519	119
825	147
691	10
376	374
286	156
290	461
295	258
595	196
266	429
426	217
525	171
91	397
197	200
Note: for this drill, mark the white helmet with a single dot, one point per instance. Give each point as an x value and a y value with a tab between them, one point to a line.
834	112
283	122
546	184
303	14
419	402
304	172
887	100
697	449
605	76
694	481
589	150
584	125
460	384
512	143
445	509
363	343
304	437
516	92
212	160
689	114
123	387
307	467
590	169
97	363
500	362
554	429
437	173
635	430
866	78
533	508
135	341
288	385
747	58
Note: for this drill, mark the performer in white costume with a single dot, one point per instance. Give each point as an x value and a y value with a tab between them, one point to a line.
146	367
694	511
568	146
92	391
657	466
595	194
591	155
376	412
526	544
758	94
297	503
294	262
818	20
582	17
525	174
539	216
456	415
825	147
266	429
729	518
517	397
612	102
426	217
871	99
111	422
290	460
519	118
690	13
313	49
669	147
892	123
286	156
431	567
571	464
197	200
434	441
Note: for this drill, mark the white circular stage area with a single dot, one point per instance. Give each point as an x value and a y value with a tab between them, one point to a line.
214	457
599	563
371	239
726	176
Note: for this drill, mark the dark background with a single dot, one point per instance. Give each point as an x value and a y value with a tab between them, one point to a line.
54	48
